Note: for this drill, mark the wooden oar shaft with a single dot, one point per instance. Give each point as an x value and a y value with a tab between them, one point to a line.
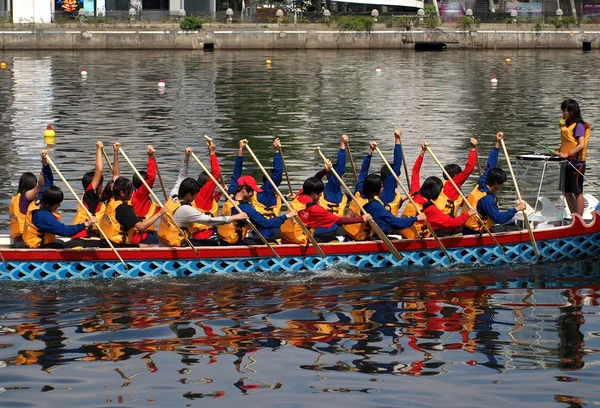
525	218
287	176
407	193
107	160
477	159
160	180
221	181
235	205
372	223
349	151
306	231
89	214
187	240
406	170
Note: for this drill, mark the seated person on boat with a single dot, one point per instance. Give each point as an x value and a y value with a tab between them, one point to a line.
119	222
333	199
143	206
207	201
483	198
30	189
391	199
242	190
187	217
369	200
42	223
313	215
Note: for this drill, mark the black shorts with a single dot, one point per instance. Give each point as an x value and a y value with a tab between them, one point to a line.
572	177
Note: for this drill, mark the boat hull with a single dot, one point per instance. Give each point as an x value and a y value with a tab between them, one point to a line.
576	241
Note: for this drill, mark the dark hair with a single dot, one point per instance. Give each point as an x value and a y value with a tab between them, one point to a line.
203	179
563	105
452	170
27	181
137	183
384	171
572	107
372	185
188	186
247	189
313	185
52	196
87	179
431	188
107	192
496	176
122	185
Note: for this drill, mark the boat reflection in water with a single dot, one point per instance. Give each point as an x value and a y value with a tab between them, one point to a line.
420	325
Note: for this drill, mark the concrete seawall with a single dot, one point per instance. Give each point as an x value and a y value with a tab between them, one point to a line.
288	37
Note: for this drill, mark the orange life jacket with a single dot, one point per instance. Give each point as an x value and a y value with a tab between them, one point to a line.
473	199
418	229
17	218
111	227
32	236
568	141
291	232
235	231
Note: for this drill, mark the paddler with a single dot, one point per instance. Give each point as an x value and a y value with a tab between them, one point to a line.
313	215
483	198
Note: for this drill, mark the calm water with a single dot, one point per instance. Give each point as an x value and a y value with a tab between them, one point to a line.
431	338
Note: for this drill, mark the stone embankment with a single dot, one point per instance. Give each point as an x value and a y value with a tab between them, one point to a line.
286	36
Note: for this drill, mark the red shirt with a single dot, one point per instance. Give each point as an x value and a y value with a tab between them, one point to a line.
449	190
140	200
437	219
206	195
316	216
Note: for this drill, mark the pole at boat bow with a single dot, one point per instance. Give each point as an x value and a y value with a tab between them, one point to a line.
371	222
167	213
235	205
525	218
477	216
442	247
57	171
306	231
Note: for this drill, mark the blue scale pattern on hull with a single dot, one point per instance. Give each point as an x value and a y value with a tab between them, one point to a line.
552	250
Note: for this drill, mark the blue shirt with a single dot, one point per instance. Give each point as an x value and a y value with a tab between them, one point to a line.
333	192
385	219
268	197
389	182
267	227
48	180
45	221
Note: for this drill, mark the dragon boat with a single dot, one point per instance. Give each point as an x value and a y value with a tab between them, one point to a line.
577	240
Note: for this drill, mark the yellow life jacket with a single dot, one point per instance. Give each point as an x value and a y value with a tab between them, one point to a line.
111	227
168	233
335	208
446	205
394	205
291	232
32	236
358	232
81	216
568	141
267	212
418	229
150	213
472	222
235	231
214	211
17	218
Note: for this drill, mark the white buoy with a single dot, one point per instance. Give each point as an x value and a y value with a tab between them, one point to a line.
83	72
161	84
494	80
378	69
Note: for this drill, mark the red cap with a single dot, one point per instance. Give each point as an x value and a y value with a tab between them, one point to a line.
248	181
49	127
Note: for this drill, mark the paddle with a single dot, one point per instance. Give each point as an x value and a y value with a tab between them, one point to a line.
57	171
160	180
442	247
232	201
283	199
287	176
553	151
209	141
477	159
525	218
477	216
106	158
167	213
351	159
372	223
